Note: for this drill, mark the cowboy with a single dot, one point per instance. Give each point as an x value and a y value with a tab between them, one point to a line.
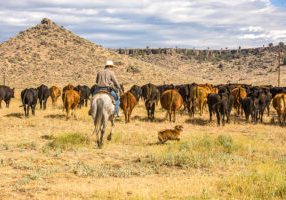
106	80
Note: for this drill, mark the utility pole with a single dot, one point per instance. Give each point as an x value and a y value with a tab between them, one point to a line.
279	60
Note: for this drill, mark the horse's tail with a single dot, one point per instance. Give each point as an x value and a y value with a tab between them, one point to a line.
98	115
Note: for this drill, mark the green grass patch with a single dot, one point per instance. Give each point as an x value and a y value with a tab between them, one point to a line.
200	152
69	141
265	181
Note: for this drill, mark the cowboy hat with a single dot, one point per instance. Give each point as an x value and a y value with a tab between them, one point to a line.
109	63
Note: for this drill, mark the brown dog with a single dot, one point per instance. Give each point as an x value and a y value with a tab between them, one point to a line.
170	134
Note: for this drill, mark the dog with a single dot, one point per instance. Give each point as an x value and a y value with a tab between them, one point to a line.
170	134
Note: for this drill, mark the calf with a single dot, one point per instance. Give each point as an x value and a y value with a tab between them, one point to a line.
6	93
29	99
279	104
43	95
127	104
55	93
170	134
171	101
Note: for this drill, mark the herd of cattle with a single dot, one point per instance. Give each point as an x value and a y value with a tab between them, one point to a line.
252	101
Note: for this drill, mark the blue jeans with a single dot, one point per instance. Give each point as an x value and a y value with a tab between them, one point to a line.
117	101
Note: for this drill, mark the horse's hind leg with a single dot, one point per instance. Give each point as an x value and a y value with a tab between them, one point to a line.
101	136
112	126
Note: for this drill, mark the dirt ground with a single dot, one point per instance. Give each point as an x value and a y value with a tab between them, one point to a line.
238	161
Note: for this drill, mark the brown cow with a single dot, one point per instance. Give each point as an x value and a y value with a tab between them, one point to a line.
238	94
172	101
71	101
68	87
279	103
127	104
55	93
201	97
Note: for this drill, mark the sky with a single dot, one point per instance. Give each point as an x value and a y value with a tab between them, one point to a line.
196	24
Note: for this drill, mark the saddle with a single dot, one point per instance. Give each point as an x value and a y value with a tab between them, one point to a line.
108	93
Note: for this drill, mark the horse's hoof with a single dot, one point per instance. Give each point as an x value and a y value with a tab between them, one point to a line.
109	137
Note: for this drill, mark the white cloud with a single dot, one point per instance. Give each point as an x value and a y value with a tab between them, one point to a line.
186	23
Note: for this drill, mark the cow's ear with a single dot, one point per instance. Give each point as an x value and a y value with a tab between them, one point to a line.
13	89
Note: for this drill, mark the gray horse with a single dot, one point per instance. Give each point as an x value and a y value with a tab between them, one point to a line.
102	111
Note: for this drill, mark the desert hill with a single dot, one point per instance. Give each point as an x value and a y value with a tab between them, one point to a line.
53	55
255	65
50	54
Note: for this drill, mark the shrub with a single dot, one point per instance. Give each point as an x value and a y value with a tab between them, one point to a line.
69	141
226	142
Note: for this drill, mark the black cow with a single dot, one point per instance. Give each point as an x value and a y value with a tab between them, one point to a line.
6	93
29	99
149	90
250	107
43	95
185	92
93	89
84	92
150	105
136	91
163	88
151	96
277	90
219	103
263	98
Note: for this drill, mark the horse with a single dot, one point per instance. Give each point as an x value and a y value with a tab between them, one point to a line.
102	110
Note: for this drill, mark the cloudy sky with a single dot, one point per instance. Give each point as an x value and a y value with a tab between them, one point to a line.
155	23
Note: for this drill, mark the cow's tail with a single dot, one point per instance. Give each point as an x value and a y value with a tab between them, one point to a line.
98	120
171	103
284	103
23	100
197	93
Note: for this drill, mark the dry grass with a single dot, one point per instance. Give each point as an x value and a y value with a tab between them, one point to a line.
48	157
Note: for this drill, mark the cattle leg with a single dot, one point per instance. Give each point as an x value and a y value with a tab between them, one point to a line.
33	109
126	116
68	112
268	110
211	114
174	120
25	110
0	103
28	109
170	115
247	117
223	118
153	112
7	103
45	104
218	117
261	115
